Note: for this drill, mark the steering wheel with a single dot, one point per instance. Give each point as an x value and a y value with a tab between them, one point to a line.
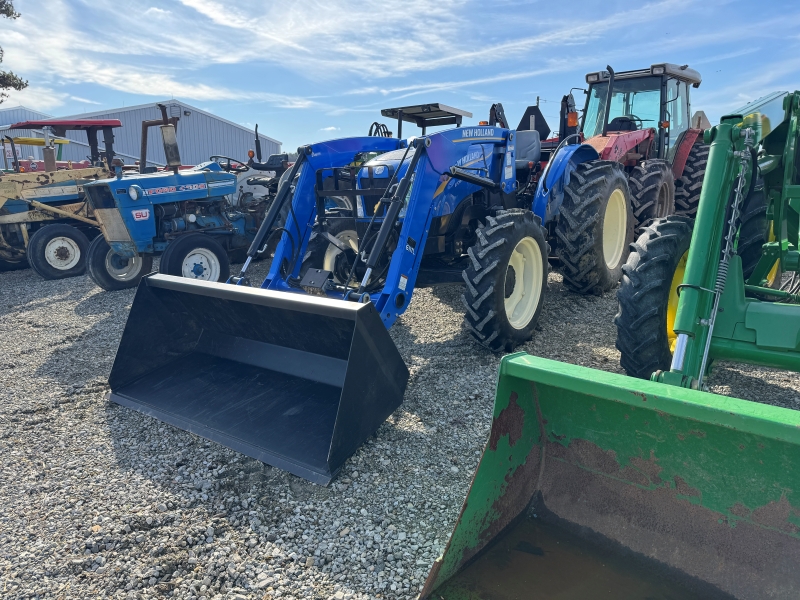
228	165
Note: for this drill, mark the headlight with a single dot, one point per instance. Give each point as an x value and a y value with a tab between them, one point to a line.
657	70
592	77
135	192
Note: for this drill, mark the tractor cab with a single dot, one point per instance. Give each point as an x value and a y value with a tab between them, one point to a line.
654	102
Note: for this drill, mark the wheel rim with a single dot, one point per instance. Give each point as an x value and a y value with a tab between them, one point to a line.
122	268
615	228
523	283
672	303
201	263
332	253
62	253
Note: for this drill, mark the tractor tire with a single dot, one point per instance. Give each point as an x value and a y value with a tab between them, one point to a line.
648	296
322	254
753	228
113	272
652	191
196	256
58	251
690	184
595	227
506	280
13	265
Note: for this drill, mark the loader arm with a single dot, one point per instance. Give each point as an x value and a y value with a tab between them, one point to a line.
439	152
714	320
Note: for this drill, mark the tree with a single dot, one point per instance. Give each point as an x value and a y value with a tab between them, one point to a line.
9	81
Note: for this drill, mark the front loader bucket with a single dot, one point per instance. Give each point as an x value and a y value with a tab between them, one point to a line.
294	381
597	485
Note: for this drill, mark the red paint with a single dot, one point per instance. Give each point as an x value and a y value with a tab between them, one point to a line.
614	146
687	141
68	123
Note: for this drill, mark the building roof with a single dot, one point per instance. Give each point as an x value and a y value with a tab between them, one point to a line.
170	101
21	107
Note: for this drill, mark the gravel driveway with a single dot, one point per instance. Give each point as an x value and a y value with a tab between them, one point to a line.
100	501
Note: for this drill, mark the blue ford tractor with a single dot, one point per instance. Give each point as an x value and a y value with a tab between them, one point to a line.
196	219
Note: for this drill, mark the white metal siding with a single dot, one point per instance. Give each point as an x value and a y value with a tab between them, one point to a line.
17	114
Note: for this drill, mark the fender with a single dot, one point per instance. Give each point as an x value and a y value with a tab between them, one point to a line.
550	191
685	144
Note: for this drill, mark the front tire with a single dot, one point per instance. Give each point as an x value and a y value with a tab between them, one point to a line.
506	280
322	254
595	227
13	265
196	256
648	296
113	272
58	251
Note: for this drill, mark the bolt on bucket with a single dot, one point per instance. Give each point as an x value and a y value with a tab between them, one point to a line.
294	381
594	484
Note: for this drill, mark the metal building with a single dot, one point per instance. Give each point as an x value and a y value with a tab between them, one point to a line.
200	134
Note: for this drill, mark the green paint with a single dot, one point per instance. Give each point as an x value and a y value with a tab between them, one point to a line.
747	330
726	455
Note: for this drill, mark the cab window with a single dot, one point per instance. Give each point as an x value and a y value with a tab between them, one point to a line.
677	110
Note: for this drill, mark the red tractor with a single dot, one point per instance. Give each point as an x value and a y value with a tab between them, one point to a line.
634	158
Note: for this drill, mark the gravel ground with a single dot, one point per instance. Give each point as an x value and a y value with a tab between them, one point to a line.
100	501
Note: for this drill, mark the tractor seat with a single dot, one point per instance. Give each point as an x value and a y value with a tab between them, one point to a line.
529	148
622	124
260	180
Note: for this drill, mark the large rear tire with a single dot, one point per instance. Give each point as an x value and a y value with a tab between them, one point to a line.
648	296
58	251
113	272
196	256
652	191
506	280
753	229
690	184
595	227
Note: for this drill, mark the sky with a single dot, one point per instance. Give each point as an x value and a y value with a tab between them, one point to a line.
308	71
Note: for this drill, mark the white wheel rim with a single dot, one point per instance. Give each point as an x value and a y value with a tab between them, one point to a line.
526	261
350	238
615	225
201	263
62	253
121	268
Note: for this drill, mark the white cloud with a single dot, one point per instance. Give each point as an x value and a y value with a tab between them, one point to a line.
156	12
37	98
84	100
329	128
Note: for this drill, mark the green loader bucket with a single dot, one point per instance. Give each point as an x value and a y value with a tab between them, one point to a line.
294	381
597	485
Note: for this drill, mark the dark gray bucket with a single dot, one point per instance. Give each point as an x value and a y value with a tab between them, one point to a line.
295	381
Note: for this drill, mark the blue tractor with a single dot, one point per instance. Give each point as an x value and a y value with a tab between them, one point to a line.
300	372
196	218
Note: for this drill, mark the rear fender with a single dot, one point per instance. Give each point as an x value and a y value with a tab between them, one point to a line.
550	191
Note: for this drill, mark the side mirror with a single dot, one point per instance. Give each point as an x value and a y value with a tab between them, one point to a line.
171	152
